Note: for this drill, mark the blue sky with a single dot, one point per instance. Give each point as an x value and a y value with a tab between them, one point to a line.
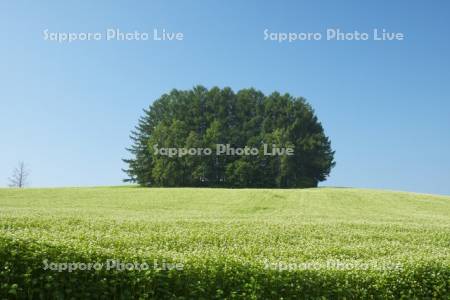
67	108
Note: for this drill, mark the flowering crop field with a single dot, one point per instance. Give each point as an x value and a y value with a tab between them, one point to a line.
187	243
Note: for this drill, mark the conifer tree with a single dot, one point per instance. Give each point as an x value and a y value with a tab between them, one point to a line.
202	118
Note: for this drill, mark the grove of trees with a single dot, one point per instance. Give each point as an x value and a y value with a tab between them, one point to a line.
203	118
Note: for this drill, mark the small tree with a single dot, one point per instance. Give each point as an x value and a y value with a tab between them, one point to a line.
19	176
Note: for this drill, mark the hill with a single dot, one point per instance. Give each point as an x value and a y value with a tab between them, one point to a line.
217	243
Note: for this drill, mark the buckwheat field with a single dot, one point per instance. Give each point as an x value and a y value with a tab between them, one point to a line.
187	243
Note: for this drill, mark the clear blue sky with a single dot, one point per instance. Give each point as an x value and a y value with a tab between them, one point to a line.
67	109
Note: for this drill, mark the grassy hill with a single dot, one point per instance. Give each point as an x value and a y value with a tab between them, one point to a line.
242	243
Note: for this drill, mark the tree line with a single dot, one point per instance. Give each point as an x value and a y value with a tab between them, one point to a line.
201	118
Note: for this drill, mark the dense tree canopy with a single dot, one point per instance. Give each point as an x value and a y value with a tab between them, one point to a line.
202	118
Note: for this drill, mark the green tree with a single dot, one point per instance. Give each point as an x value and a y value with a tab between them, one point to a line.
201	118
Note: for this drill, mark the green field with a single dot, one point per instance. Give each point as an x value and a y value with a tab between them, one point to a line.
231	243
